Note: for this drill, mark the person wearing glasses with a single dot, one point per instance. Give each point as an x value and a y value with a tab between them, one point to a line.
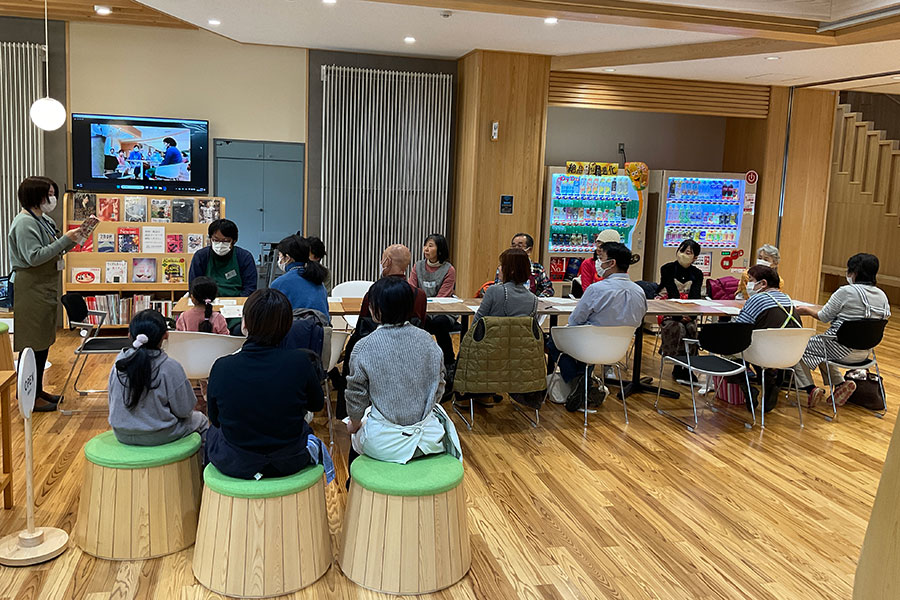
538	283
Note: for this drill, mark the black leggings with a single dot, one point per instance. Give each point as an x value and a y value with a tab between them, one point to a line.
440	327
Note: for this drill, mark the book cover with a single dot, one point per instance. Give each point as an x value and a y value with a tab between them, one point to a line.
135	208
86	246
108	209
174	242
573	264
143	270
195	242
116	271
106	242
85	205
173	270
557	268
183	210
154	239
160	210
85	275
210	210
129	239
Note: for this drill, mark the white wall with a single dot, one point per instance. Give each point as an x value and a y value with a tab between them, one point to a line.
663	141
245	91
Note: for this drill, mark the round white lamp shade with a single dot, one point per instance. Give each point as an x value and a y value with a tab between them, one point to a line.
48	114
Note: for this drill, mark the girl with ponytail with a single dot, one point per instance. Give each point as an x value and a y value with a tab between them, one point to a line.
151	401
201	317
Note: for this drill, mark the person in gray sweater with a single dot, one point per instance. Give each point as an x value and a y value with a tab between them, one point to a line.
512	298
151	401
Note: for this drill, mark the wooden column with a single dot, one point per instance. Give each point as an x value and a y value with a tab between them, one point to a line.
510	89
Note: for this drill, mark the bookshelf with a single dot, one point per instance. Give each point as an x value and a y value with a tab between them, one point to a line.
161	272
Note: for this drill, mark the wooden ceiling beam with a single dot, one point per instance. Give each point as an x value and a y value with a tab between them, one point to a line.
124	12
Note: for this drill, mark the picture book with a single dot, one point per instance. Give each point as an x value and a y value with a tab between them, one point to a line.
129	239
183	210
154	239
573	264
160	210
135	208
210	210
116	271
108	209
106	242
85	205
195	242
174	242
86	246
173	270
85	275
143	270
557	268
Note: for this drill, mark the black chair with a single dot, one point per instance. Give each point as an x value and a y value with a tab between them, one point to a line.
864	334
78	314
720	340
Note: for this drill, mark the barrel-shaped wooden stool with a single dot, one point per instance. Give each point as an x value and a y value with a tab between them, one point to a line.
138	501
262	538
405	528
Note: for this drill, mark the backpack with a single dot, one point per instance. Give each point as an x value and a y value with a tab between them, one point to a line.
723	288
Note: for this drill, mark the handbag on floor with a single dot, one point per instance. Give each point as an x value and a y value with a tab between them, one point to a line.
868	389
732	393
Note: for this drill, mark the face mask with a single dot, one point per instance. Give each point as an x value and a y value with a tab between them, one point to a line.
849	280
244	328
381	269
221	248
601	270
49	205
751	288
763	262
283	261
685	260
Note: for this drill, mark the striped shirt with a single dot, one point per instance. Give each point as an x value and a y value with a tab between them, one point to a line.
760	303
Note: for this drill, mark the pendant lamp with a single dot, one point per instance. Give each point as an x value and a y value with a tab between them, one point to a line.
47	113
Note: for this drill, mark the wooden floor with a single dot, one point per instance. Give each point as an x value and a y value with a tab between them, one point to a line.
647	510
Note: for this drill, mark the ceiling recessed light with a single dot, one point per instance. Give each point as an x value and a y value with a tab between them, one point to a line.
551	21
409	40
214	22
609	70
329	1
773	58
102	10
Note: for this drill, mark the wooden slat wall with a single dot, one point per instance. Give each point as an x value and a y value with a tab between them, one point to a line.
649	94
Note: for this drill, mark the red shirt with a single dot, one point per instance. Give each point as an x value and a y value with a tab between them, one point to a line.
419	308
588	273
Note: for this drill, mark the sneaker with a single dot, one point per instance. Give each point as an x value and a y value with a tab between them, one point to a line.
843	392
814	396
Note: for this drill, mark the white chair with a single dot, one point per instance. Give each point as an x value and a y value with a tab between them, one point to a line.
594	345
337	341
351	289
778	349
196	352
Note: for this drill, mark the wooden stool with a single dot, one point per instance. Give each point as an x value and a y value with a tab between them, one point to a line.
138	501
405	527
6	350
262	538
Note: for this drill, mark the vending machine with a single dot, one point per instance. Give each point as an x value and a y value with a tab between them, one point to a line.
583	199
715	210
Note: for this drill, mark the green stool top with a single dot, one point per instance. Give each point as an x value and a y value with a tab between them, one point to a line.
426	476
105	450
267	487
4	327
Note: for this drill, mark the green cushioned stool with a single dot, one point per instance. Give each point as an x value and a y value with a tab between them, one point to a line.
138	502
262	538
414	515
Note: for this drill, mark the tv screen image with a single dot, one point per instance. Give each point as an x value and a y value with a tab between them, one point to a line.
116	153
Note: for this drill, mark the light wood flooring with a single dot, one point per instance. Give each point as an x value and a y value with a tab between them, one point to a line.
647	510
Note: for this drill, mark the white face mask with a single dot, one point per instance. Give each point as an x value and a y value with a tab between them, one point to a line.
283	261
49	205
763	262
751	288
601	270
850	280
221	248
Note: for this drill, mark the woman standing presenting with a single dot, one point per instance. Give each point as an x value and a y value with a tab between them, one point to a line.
35	253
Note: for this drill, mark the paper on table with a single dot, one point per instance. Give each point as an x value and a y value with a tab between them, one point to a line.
444	300
565	308
555	300
730	310
705	302
799	303
335	299
472	307
225	302
232	311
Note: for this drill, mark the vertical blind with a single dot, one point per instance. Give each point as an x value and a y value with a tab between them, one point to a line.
385	164
21	142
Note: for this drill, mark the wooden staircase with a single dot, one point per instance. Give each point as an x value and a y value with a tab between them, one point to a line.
864	197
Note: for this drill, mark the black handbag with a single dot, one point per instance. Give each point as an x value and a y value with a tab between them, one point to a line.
868	389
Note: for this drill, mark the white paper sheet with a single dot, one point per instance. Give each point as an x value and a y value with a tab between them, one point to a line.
335	299
555	300
444	300
730	310
564	308
472	307
225	302
799	303
232	311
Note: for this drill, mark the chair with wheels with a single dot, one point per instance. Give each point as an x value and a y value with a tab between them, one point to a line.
720	340
778	349
351	289
863	335
78	315
595	345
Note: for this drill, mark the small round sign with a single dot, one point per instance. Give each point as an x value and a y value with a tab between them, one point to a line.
27	384
751	177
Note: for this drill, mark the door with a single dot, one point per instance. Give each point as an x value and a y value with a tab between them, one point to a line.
240	182
283	203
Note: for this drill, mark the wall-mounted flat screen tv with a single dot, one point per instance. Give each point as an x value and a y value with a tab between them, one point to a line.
140	154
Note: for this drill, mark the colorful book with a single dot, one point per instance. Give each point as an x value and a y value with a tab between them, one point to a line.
116	271
85	275
106	242
129	239
210	210
573	265
108	209
173	270
153	239
160	210
143	270
135	208
86	246
195	242
557	268
183	210
85	205
174	243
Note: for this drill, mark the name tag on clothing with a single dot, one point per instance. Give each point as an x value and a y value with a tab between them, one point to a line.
60	265
231	274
